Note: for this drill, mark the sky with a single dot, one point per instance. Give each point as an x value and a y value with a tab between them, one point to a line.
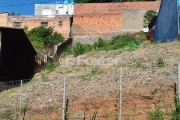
24	7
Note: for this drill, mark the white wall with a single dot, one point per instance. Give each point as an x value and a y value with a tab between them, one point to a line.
64	9
54	9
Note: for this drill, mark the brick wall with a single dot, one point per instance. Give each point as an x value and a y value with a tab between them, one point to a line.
3	19
107	18
35	21
97	24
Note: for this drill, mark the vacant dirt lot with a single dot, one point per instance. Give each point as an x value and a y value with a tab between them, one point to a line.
148	80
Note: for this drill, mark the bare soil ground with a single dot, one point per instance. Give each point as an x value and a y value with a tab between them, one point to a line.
149	74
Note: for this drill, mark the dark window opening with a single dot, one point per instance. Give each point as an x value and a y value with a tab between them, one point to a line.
17	24
44	24
60	23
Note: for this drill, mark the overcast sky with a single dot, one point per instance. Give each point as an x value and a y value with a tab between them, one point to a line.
24	7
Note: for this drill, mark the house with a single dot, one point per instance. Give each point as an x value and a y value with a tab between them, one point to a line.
167	24
17	55
61	24
58	16
58	9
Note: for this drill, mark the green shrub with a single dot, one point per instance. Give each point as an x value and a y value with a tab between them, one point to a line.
160	62
100	44
38	45
148	16
50	66
45	35
124	43
79	49
155	115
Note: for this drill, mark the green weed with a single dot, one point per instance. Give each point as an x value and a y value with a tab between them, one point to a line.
155	115
176	113
94	72
7	115
123	42
160	62
51	66
44	78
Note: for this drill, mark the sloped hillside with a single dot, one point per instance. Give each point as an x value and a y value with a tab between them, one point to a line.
92	86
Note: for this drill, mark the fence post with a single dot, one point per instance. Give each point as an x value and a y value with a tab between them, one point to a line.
178	80
20	100
64	99
120	94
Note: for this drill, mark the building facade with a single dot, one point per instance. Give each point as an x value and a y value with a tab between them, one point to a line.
87	21
60	24
94	20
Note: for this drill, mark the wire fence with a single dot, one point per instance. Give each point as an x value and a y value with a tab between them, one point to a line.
42	98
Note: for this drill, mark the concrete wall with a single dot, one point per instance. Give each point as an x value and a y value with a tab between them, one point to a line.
62	9
35	21
133	20
39	8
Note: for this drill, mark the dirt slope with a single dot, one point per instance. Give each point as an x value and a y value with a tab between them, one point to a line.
148	78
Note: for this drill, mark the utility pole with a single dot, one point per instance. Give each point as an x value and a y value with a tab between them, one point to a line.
120	95
20	100
64	99
178	80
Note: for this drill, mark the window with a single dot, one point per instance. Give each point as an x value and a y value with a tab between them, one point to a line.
44	24
60	23
17	24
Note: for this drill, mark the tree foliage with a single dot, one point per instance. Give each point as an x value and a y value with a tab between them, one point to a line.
14	14
45	35
148	16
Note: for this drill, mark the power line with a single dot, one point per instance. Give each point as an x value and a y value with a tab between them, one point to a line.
28	4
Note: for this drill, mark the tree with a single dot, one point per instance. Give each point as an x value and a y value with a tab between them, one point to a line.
14	14
45	35
148	16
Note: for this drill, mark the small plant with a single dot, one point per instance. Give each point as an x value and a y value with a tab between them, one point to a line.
155	115
176	113
83	65
94	72
25	28
79	49
116	78
7	115
100	45
160	62
50	66
44	78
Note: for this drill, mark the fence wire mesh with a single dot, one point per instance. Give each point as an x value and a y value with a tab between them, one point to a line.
91	99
